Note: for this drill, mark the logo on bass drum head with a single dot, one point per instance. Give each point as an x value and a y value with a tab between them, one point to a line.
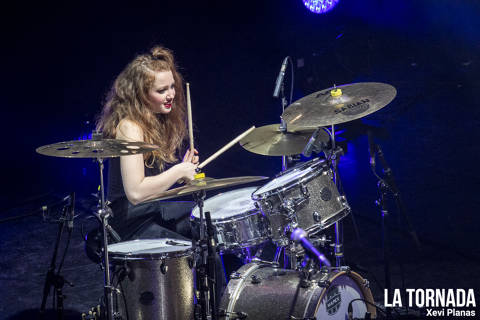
334	300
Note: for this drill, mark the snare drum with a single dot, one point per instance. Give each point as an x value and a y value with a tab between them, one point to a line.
155	279
304	196
238	223
261	292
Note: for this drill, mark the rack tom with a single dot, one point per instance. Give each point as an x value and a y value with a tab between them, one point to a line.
304	196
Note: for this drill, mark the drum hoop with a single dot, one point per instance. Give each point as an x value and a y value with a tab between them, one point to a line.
131	256
302	166
367	294
239	287
234	218
289	185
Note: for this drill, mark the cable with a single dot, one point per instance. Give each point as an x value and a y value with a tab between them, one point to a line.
366	302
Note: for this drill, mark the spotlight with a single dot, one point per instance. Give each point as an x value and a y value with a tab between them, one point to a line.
320	6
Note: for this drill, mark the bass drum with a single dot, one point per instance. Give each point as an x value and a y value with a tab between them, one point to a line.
263	292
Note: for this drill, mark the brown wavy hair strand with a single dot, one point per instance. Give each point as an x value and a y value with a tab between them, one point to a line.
128	99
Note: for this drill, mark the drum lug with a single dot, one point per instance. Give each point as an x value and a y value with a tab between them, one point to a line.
235	275
289	205
163	268
324	283
304	190
342	200
255	279
366	283
317	217
345	269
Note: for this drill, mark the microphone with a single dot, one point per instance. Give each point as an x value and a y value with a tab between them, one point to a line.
281	74
371	148
298	235
307	151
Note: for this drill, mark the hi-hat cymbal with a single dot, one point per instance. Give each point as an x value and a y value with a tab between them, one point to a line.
206	184
337	105
270	141
103	148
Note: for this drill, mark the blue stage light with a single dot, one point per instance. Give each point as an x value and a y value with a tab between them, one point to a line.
320	6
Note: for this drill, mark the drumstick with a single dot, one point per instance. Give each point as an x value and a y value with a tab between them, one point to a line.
190	126
225	148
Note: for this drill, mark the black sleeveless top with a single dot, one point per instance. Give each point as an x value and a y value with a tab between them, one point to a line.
126	218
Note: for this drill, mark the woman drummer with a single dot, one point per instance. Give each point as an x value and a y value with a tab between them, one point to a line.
146	103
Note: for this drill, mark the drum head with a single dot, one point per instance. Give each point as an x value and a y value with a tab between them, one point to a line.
343	289
227	205
148	248
294	174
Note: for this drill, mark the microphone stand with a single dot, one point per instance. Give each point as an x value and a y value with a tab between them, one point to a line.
283	124
387	186
280	86
390	180
212	283
53	278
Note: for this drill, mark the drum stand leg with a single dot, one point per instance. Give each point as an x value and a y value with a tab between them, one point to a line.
339	224
104	214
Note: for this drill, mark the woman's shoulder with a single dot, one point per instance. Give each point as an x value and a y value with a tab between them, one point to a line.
128	129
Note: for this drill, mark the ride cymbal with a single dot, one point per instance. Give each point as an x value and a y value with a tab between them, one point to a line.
337	105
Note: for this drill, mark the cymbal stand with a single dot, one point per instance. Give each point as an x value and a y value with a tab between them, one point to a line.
336	152
104	214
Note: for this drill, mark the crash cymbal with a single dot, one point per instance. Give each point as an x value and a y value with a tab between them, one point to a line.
103	148
206	184
337	105
270	141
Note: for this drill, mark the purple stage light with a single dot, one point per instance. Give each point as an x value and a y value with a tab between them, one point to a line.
320	6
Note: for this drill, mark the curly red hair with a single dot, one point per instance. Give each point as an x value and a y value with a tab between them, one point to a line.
128	99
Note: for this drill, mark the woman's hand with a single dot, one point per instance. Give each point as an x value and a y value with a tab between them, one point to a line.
191	156
186	170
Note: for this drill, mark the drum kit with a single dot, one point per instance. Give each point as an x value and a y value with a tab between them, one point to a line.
175	279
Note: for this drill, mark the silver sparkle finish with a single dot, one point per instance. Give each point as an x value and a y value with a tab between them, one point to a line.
268	293
320	109
304	196
238	223
159	281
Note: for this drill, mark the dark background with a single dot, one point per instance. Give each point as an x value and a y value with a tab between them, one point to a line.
59	61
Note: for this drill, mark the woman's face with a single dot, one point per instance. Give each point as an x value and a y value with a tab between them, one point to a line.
162	93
